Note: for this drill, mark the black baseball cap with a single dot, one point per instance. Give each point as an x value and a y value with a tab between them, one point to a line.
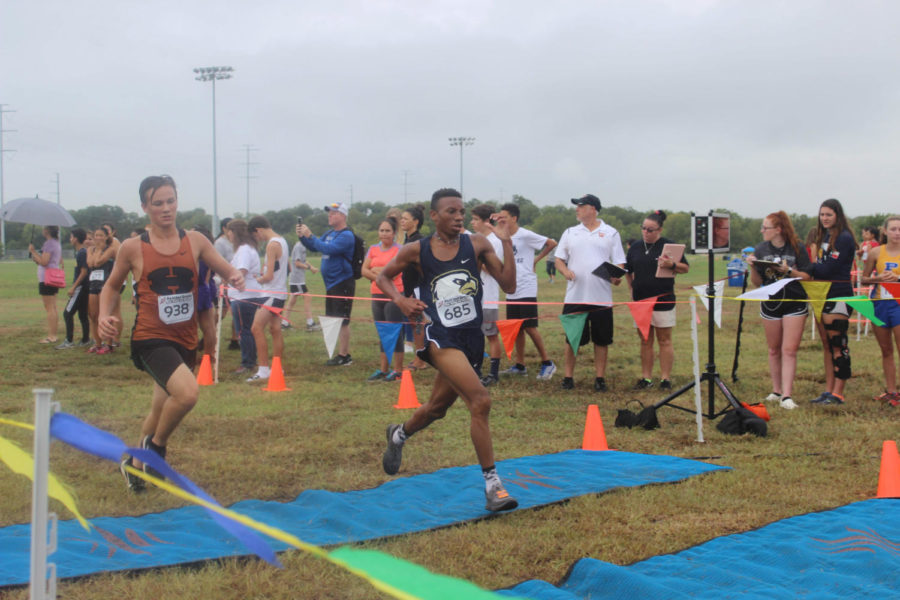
587	199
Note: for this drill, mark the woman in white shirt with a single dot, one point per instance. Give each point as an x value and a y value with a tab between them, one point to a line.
244	304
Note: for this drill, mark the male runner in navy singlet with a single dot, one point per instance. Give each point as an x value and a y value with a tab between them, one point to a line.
451	293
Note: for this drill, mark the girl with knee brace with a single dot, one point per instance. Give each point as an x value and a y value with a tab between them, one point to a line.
836	251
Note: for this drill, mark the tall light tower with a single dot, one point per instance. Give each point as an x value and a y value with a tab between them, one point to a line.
214	74
461	142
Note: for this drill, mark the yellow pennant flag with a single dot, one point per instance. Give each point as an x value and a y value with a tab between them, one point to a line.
21	462
28	426
817	292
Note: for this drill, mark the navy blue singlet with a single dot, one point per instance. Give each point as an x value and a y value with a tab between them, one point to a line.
451	289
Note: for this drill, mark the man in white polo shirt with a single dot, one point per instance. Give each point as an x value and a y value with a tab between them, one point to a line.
581	250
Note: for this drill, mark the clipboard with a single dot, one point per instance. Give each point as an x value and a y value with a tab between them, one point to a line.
674	252
767	264
609	271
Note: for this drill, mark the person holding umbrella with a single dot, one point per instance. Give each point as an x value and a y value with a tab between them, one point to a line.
48	258
36	211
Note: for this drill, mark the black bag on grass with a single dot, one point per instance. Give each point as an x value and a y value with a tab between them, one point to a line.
646	418
740	420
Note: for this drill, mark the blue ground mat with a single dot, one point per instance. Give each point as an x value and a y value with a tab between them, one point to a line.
849	552
403	505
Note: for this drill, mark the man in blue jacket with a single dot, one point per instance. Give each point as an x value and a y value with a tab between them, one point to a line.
336	246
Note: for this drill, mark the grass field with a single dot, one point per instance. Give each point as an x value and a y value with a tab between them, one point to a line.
328	434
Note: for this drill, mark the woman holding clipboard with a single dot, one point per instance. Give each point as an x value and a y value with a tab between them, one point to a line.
781	255
652	263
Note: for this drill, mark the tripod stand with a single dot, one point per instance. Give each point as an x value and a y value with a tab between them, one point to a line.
711	376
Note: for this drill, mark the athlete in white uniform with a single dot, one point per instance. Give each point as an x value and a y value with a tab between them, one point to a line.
273	282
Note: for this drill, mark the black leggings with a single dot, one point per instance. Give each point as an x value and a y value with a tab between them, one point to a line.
77	303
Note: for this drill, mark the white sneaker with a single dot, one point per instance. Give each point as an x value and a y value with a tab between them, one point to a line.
788	404
547	371
260	376
408	348
773	397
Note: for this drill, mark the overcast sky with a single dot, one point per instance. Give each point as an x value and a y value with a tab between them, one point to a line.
678	104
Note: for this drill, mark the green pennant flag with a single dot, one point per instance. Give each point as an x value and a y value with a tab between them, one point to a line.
573	325
402	579
863	305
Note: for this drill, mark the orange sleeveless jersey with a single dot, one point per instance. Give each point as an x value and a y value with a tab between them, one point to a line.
167	295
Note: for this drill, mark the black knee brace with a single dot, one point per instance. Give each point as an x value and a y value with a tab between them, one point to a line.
838	342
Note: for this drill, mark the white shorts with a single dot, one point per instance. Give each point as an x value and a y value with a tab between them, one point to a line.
663	318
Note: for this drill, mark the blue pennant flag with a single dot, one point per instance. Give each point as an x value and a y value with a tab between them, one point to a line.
388	333
88	438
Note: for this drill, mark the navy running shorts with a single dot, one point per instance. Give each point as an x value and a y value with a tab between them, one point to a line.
468	340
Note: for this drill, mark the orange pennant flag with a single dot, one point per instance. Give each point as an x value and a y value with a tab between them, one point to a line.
509	331
275	311
642	312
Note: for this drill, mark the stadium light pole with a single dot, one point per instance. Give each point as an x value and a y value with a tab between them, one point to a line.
461	142
214	74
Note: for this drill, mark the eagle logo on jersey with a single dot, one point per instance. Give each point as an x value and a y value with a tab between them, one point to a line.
454	283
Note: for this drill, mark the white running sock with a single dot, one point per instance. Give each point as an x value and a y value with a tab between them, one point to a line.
491	479
399	436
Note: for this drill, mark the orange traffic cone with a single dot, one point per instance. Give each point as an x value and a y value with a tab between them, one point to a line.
889	476
407	397
594	436
276	377
204	375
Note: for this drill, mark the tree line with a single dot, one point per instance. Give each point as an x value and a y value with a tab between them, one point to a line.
365	217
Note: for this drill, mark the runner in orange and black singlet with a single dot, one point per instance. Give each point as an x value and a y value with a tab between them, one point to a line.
163	261
166	310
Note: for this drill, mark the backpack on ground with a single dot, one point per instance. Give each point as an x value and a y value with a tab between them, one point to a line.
646	418
740	420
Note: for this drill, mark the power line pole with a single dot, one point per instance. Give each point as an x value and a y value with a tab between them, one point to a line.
247	164
2	198
351	195
57	187
405	187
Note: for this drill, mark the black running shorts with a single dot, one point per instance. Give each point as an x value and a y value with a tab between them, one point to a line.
160	358
598	327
